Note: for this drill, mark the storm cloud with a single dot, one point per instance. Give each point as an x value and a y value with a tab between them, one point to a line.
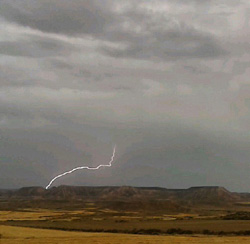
166	81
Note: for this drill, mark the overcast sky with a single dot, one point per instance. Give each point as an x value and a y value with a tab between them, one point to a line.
167	81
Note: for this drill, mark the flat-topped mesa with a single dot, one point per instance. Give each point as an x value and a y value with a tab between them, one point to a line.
210	194
208	187
193	195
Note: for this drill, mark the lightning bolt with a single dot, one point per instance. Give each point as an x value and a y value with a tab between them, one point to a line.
83	167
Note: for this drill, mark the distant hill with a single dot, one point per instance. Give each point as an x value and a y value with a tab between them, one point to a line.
207	195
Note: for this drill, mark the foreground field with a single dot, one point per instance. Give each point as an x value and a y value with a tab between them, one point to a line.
12	235
104	220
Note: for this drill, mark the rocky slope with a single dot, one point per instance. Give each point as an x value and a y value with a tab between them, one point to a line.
193	195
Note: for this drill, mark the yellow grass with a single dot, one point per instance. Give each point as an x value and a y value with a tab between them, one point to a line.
42	214
16	235
34	215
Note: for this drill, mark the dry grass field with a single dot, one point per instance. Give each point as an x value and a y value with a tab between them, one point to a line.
16	235
104	220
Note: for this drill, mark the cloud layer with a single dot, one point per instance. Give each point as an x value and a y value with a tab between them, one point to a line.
85	74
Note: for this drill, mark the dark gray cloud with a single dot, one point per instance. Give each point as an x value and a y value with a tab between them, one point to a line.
143	34
81	16
35	48
167	81
171	44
